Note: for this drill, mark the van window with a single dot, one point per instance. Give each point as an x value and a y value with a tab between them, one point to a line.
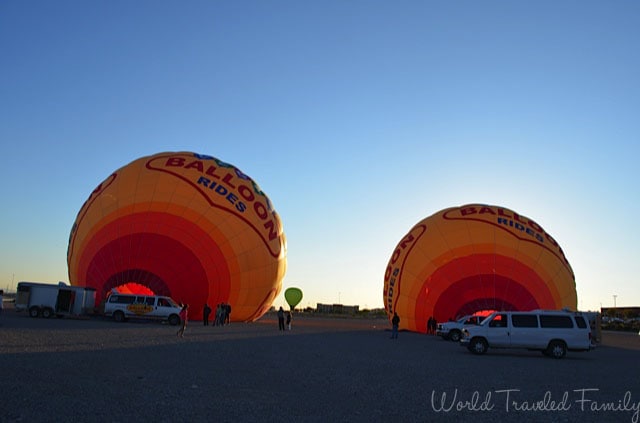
473	320
582	324
150	301
163	302
550	321
499	321
122	299
524	320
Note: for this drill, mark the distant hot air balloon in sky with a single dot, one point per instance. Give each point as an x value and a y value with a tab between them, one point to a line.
293	297
185	225
474	258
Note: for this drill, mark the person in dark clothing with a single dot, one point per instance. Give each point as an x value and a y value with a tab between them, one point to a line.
433	324
219	315
205	314
395	322
288	320
227	315
281	319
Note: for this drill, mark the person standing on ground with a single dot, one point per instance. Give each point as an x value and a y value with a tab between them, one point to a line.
432	326
281	319
218	318
184	314
227	309
205	314
395	322
289	320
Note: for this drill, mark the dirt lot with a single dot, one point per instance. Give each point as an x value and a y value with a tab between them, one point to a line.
96	370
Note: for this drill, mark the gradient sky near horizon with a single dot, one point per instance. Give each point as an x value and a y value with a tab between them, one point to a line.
357	118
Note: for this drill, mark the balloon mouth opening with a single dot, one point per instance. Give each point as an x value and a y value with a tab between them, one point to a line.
133	288
137	282
484	313
479	307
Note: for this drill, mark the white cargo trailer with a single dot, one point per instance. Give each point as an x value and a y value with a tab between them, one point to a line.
47	300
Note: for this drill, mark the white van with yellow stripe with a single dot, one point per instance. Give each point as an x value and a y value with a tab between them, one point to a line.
124	306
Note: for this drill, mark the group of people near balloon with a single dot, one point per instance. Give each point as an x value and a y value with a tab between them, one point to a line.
221	317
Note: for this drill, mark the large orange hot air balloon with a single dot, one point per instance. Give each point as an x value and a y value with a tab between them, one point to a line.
184	225
475	258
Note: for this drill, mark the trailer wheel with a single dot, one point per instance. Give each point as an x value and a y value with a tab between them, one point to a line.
47	313
118	316
34	311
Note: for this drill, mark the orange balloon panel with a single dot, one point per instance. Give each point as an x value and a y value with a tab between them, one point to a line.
472	258
184	225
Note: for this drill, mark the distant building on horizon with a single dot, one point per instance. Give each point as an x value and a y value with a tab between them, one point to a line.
337	309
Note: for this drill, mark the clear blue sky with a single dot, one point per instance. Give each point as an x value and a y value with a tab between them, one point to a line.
357	118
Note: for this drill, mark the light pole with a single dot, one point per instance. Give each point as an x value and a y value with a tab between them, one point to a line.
614	301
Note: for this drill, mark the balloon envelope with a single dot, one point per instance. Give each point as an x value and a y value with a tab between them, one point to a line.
185	225
475	258
293	296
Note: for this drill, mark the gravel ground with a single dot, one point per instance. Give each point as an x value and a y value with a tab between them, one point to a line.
339	370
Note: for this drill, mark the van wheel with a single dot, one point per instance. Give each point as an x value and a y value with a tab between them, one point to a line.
118	316
478	346
34	311
556	349
174	320
454	335
47	313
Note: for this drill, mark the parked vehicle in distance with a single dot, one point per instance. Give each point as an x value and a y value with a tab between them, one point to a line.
124	306
554	332
453	330
48	300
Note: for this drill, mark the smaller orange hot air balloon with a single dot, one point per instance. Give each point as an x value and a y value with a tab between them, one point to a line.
475	258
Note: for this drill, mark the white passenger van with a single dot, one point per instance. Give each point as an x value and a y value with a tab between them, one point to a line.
554	332
124	306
